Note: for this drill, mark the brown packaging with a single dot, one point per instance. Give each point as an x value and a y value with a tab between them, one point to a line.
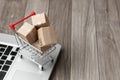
38	46
28	32
40	20
47	36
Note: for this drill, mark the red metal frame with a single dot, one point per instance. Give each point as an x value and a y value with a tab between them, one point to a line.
12	25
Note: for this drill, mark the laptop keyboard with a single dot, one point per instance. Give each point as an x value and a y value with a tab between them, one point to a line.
7	56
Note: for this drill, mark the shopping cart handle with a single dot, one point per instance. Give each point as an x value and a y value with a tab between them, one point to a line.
12	25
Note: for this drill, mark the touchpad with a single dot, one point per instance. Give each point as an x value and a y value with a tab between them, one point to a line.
23	75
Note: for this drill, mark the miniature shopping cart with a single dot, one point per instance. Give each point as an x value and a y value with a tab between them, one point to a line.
33	54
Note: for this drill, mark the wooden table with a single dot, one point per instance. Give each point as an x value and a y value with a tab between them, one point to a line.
88	30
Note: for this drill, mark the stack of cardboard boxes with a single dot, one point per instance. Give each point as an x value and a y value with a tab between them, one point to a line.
40	34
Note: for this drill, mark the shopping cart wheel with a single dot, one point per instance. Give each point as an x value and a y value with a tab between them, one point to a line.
52	60
21	56
41	68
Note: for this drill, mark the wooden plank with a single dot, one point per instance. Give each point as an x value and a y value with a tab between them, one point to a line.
12	10
108	31
84	62
114	19
91	57
114	15
60	17
38	6
2	4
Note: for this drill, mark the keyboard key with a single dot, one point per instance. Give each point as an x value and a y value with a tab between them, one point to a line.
17	49
8	62
8	50
1	62
0	66
1	54
4	57
13	53
2	49
5	68
2	75
2	45
12	58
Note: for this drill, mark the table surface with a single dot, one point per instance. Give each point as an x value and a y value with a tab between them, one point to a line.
88	30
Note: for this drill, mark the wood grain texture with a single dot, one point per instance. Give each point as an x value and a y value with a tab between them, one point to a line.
107	39
12	10
60	17
88	31
84	62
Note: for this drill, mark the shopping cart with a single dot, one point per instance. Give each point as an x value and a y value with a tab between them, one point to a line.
34	54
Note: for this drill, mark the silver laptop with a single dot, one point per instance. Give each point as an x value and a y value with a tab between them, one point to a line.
13	67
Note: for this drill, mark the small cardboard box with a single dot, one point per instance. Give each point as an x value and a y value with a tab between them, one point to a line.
28	33
38	46
40	20
47	36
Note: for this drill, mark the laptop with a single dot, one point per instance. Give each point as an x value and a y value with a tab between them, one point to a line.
13	67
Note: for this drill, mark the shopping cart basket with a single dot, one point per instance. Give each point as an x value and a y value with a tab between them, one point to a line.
34	54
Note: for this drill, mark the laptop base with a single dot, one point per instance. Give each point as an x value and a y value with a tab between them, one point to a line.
24	69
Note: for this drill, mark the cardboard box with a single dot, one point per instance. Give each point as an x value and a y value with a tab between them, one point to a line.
41	48
47	36
28	32
40	20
